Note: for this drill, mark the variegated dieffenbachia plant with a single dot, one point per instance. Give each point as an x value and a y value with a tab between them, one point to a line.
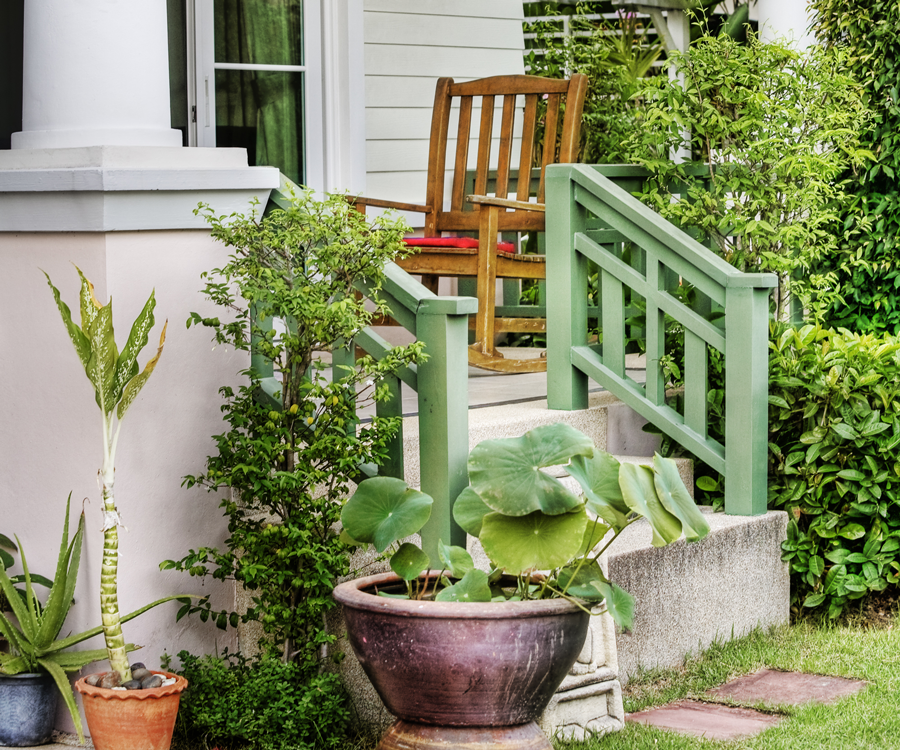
117	380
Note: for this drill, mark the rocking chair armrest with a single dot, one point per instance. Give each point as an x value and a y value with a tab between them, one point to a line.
490	200
361	200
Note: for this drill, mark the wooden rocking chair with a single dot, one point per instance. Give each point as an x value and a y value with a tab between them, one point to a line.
487	259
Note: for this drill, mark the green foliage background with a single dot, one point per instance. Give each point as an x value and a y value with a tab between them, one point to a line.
867	273
834	431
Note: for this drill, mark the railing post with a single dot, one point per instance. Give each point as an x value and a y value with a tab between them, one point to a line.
746	398
443	323
393	407
343	355
567	386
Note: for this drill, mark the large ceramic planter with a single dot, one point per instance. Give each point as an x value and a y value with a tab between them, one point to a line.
131	719
27	709
459	673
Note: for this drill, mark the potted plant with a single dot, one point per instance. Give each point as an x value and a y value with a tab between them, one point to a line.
143	714
481	672
33	671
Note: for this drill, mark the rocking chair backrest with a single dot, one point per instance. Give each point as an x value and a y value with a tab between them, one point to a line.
560	147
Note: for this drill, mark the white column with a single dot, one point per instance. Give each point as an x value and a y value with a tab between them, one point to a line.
785	19
95	74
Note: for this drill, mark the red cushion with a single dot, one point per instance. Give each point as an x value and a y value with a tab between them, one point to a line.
455	242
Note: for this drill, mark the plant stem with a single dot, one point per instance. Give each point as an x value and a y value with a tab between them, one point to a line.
109	595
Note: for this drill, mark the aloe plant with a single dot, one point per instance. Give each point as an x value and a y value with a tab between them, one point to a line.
117	380
531	526
34	643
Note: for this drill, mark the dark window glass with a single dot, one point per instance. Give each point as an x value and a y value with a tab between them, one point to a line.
11	28
178	67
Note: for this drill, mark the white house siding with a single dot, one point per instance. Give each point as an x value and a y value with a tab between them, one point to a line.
409	44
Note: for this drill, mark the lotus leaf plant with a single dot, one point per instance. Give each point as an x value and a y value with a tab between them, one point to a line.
542	539
117	380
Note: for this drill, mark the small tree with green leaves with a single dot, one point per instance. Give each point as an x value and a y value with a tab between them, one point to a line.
779	132
286	463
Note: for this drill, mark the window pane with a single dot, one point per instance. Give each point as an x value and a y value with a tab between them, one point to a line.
11	25
262	111
266	32
178	101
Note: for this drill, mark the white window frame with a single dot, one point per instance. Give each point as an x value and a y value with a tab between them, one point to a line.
202	89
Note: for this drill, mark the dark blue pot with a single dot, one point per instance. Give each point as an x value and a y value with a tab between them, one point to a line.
27	709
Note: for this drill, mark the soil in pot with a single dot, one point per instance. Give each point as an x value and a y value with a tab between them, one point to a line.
131	719
27	709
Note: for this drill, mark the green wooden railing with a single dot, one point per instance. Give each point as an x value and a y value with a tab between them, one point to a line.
592	220
441	384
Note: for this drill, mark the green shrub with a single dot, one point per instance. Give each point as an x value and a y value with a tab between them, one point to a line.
834	432
614	57
868	273
779	131
260	705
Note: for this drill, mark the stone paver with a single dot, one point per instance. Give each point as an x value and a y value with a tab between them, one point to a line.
709	720
772	687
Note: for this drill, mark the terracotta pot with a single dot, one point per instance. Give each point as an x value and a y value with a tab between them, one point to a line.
455	664
131	719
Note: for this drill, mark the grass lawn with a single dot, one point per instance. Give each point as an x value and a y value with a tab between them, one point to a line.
870	719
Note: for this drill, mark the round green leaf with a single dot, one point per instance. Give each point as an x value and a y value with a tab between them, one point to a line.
468	510
384	510
534	542
473	587
455	559
579	582
408	561
506	472
639	492
674	497
619	603
599	479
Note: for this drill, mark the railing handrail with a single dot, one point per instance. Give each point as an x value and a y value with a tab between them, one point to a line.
579	199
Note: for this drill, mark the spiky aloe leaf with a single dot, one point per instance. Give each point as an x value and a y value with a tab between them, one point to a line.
72	661
127	366
11	665
60	600
31	601
137	382
79	339
18	606
78	638
8	631
65	689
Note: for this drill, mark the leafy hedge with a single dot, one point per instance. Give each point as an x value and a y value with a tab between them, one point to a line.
834	431
869	275
259	705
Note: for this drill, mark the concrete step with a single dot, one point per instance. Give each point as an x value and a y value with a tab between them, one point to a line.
612	426
688	596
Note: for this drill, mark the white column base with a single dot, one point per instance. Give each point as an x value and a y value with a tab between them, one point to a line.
39	139
124	188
